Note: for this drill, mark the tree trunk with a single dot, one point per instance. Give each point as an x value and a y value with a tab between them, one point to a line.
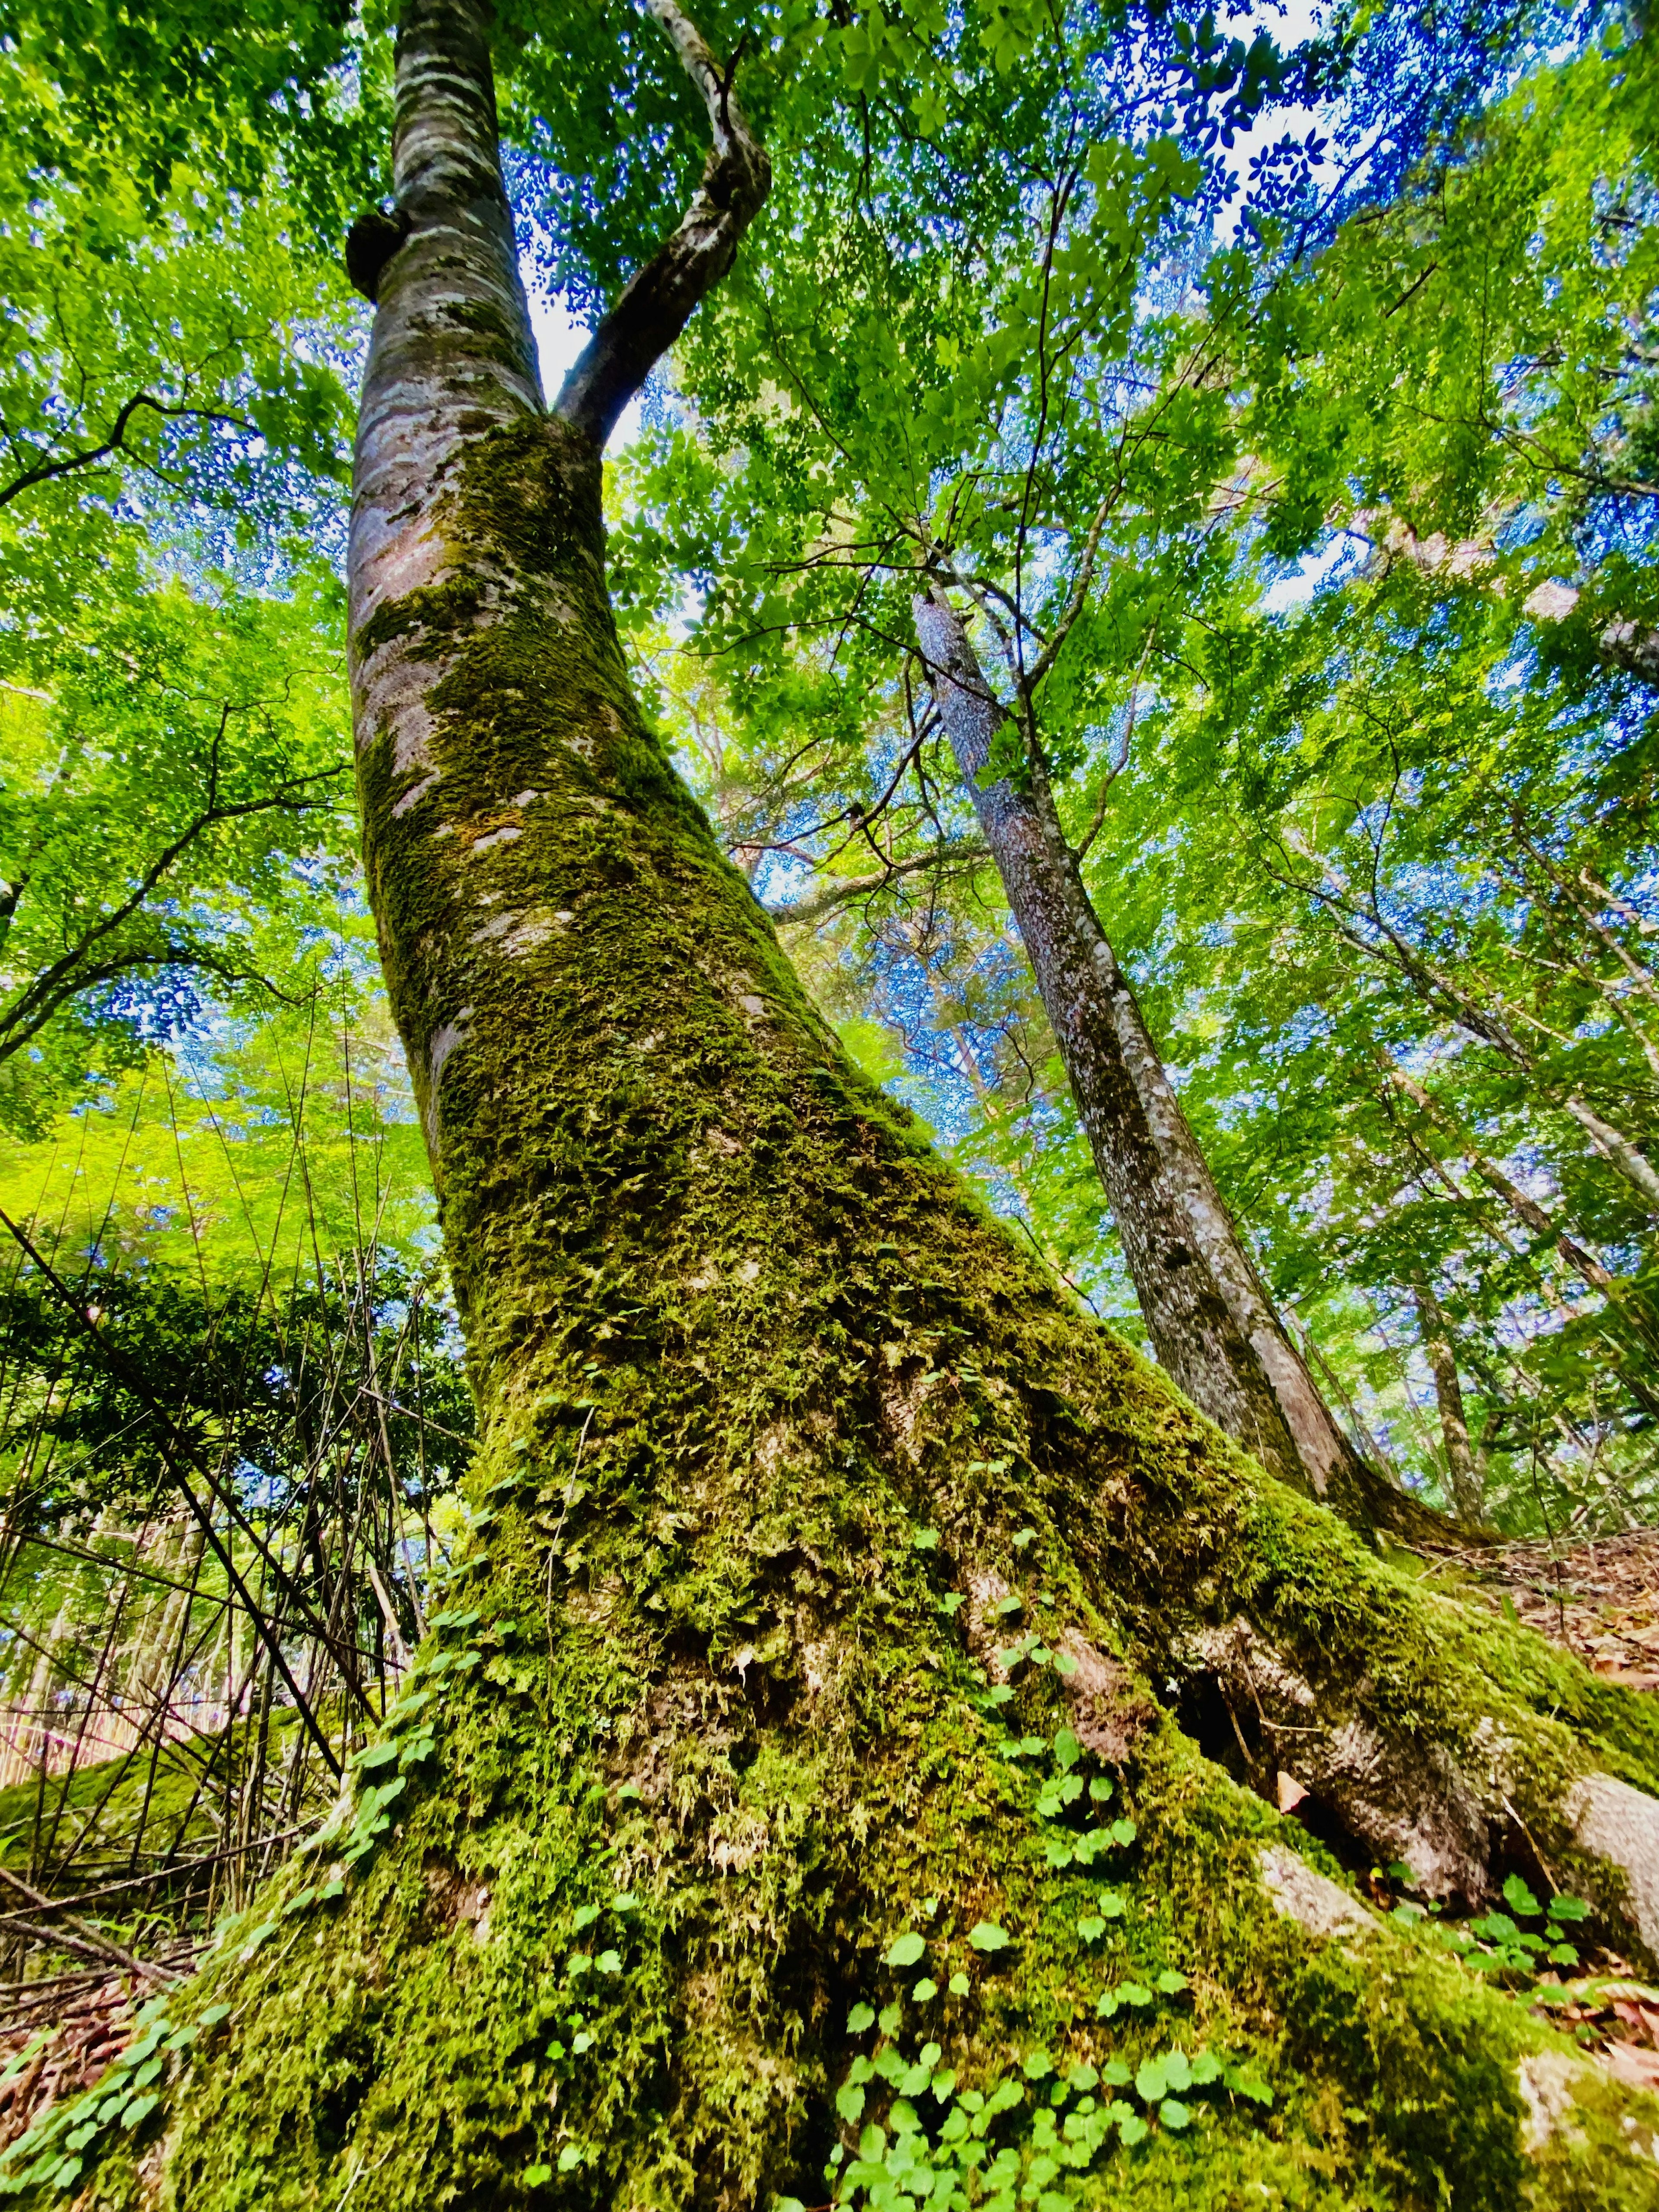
1436	1337
1207	1312
1527	1210
798	1486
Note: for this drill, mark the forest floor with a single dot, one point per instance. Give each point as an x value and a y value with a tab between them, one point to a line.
1599	1598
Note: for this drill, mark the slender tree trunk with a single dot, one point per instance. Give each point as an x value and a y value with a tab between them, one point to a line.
1527	1210
791	1464
1436	1336
1207	1312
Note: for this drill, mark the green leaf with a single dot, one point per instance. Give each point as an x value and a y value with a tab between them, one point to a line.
1038	2063
570	2158
1091	1928
1519	1899
1247	2081
1171	1984
907	1949
861	2017
1568	1908
1067	1752
986	1936
849	2103
924	1992
1151	2079
958	1984
1173	2113
533	2176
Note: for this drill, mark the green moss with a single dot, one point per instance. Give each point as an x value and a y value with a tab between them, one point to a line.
768	1401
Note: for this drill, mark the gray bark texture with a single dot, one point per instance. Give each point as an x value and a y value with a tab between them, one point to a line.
1207	1312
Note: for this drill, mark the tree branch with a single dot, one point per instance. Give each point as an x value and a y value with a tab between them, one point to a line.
660	298
800	912
60	981
116	442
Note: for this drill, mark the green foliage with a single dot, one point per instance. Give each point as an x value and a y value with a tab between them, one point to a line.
1398	832
173	829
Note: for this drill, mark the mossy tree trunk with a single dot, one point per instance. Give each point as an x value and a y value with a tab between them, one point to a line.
835	1585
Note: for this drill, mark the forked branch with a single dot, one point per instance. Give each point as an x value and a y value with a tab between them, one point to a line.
660	298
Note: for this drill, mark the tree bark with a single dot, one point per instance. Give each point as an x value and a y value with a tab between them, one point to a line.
1435	1334
791	1466
1207	1312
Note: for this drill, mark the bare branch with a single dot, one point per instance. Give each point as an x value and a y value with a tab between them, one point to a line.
660	298
115	443
69	974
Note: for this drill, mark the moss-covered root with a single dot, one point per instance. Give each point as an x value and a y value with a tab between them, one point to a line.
711	1958
800	1849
